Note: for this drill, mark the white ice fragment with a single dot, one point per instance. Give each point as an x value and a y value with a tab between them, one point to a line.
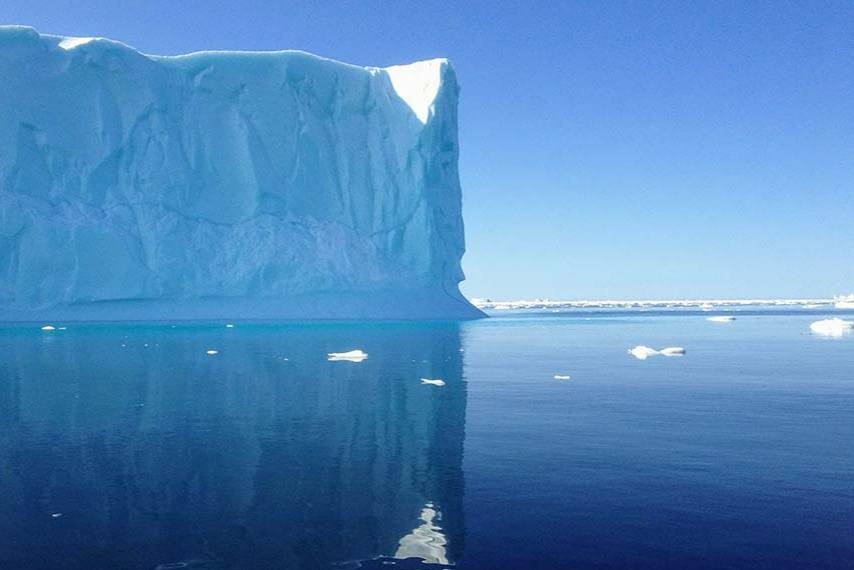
843	301
356	355
832	327
721	319
673	351
48	328
642	352
561	377
62	328
436	382
211	352
55	515
229	326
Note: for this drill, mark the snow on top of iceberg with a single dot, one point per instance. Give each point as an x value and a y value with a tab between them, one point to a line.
68	43
417	84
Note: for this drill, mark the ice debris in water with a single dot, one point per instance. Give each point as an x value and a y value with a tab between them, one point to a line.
832	327
48	328
436	382
211	352
721	319
349	356
643	352
55	515
229	326
562	377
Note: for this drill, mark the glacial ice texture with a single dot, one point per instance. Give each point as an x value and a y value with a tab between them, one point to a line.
224	184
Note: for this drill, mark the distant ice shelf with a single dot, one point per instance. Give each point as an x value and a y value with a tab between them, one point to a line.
699	304
224	185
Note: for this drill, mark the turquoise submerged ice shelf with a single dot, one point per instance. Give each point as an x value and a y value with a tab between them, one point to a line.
224	184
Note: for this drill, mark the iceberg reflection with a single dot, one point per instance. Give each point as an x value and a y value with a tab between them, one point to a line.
266	456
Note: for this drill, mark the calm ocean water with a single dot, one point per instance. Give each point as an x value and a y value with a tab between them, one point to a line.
129	447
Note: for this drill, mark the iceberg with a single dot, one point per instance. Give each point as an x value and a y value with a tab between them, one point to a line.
832	327
642	352
357	355
224	184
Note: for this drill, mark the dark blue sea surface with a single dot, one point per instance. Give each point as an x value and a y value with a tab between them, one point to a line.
129	447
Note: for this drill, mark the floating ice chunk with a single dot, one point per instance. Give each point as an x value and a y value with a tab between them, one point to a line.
229	326
721	319
55	515
349	356
642	352
832	327
62	328
707	306
48	328
843	301
673	351
436	382
562	377
211	352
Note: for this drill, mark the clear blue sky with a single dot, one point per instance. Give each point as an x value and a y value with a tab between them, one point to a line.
609	149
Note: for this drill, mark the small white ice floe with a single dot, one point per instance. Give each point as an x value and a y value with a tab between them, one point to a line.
349	356
642	352
721	319
211	352
832	327
48	328
55	515
229	326
436	382
562	376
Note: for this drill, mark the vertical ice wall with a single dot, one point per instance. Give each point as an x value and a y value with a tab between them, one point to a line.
232	184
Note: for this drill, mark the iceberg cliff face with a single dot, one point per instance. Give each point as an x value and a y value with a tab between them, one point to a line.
224	184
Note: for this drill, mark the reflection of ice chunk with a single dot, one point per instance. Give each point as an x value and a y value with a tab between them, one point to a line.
349	356
48	328
426	541
721	319
832	327
211	352
673	351
642	352
562	377
436	382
